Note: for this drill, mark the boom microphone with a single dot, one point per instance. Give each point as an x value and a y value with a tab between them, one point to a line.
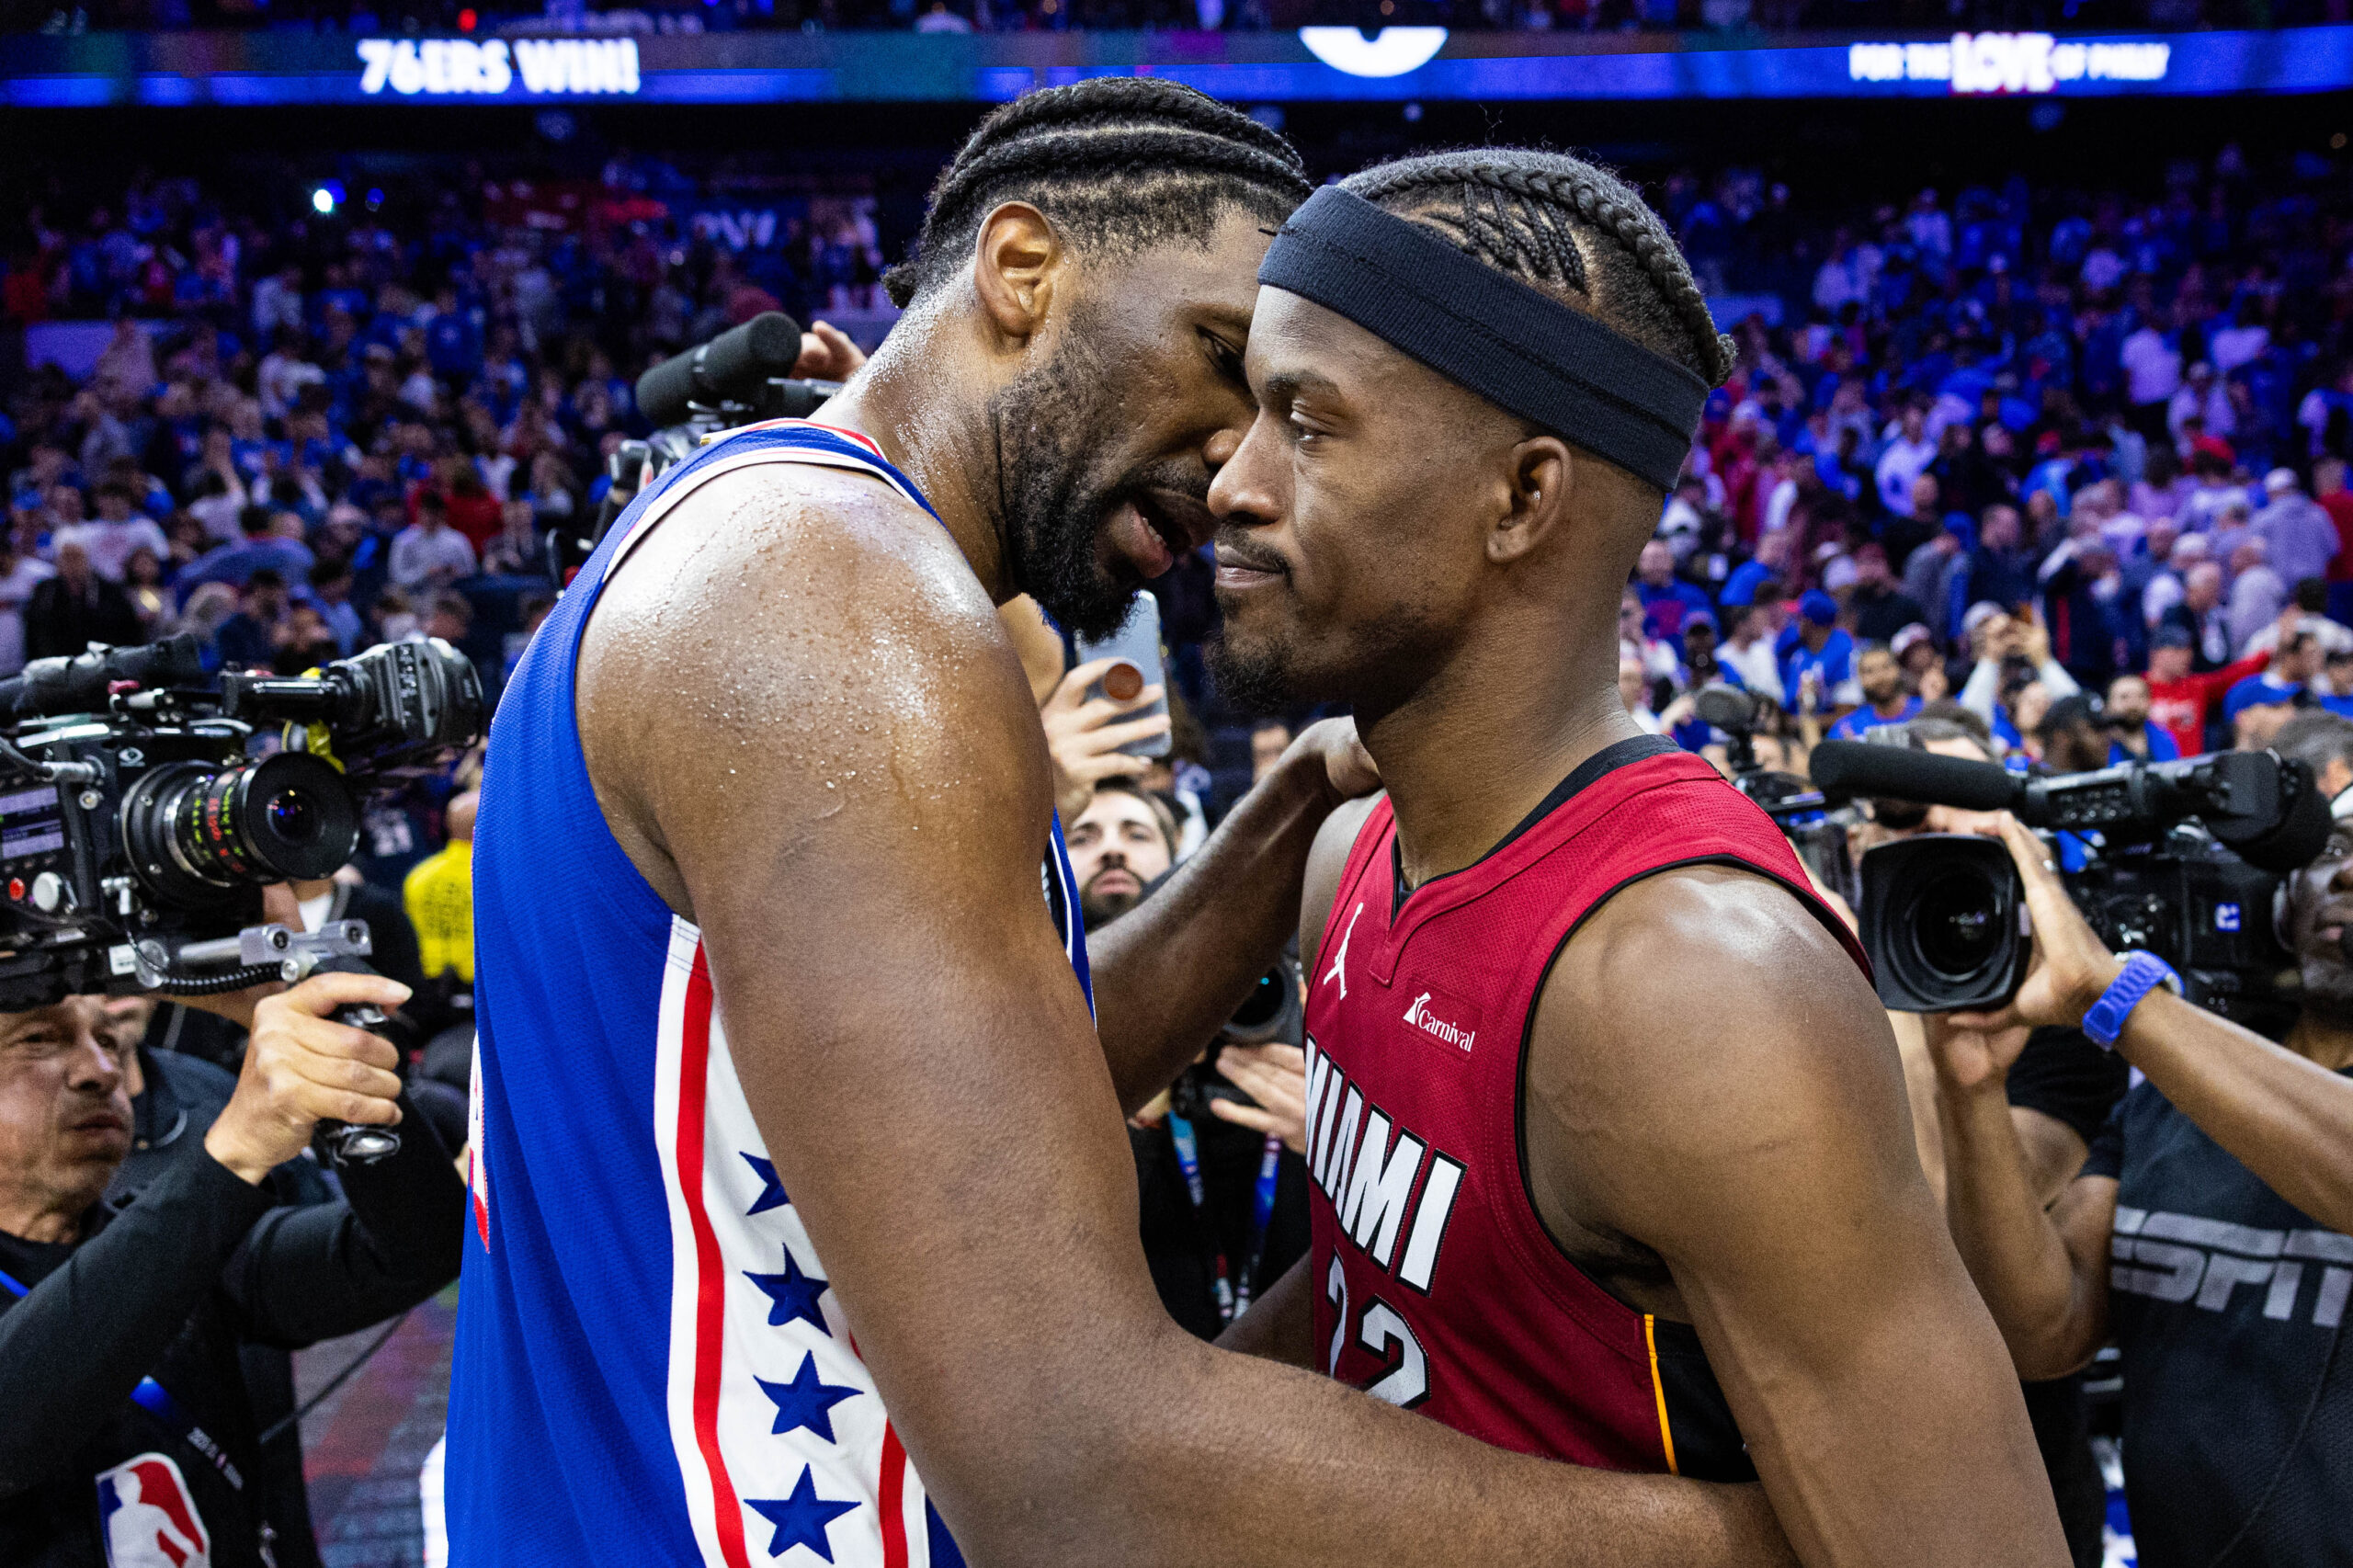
1851	768
731	368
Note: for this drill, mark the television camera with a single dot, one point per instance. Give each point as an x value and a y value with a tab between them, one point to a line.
2184	859
741	376
138	826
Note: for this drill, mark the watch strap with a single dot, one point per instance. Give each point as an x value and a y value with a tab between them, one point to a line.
2142	973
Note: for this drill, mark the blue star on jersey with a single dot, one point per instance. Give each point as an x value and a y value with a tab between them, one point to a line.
800	1520
771	1191
806	1401
792	1294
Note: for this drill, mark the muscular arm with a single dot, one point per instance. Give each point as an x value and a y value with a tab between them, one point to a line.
2043	1274
1280	1325
807	723
1712	1080
2283	1116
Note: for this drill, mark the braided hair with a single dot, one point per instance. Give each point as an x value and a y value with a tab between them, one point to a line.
1552	220
1116	163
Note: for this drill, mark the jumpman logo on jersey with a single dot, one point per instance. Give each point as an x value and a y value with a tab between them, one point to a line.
1339	969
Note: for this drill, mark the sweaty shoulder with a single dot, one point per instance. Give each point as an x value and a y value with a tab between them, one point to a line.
793	656
1700	1017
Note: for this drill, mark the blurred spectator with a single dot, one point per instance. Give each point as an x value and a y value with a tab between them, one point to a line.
77	607
249	639
2299	537
429	552
19	575
110	537
1268	741
2136	736
438	895
261	547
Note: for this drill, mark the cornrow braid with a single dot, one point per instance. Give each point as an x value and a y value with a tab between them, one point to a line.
1523	212
1114	162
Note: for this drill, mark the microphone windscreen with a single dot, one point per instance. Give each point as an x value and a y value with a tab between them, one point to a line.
768	345
1851	768
733	363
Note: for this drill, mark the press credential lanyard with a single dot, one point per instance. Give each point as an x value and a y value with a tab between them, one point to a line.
1232	1296
157	1401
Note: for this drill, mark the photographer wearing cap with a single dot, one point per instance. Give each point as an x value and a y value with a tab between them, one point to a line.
2205	1233
130	1437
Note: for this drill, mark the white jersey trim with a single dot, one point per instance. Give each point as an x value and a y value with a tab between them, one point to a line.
751	1319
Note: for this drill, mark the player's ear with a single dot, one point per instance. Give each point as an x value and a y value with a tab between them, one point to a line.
1016	262
1541	470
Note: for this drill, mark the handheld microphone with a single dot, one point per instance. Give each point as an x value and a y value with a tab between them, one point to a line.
731	368
1851	768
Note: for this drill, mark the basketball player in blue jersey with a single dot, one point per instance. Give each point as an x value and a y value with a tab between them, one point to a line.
804	1225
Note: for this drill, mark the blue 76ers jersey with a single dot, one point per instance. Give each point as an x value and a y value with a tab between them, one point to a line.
651	1368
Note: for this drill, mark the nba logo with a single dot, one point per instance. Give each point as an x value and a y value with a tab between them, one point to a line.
2226	917
147	1518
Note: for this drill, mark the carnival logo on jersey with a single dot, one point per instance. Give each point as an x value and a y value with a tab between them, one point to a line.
147	1518
1427	1013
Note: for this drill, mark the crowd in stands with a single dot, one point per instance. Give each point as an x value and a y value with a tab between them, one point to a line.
2006	442
2017	449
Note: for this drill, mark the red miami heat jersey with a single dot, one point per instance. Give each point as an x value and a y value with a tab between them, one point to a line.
1438	1288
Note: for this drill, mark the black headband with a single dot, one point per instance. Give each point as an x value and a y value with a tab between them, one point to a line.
1554	367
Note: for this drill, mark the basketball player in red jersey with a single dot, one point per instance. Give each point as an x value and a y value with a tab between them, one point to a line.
1608	1132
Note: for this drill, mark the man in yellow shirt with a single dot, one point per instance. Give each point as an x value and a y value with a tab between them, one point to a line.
439	892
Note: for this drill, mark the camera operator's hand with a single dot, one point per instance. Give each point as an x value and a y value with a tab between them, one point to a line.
828	354
1970	1057
1083	738
1348	770
1276	1076
2071	965
301	1067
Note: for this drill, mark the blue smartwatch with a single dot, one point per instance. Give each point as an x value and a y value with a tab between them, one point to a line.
2142	973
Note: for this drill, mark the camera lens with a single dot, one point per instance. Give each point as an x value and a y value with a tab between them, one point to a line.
1265	1001
1956	923
291	817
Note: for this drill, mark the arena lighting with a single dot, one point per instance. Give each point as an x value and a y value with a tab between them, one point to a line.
447	67
2008	62
325	199
1390	53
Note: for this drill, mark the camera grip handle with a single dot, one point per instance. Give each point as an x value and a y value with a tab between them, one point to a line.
343	1143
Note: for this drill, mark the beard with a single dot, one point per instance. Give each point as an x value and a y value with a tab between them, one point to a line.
1389	657
1253	678
1096	908
1055	500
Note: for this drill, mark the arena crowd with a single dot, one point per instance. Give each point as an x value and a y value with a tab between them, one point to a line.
2065	468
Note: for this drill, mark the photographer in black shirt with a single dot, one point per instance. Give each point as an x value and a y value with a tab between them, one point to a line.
129	1434
2206	1233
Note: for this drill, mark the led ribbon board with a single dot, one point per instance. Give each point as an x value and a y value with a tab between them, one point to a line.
1431	64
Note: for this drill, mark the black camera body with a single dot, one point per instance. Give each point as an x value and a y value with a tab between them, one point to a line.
1796	807
1271	1013
2188	863
137	828
741	376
